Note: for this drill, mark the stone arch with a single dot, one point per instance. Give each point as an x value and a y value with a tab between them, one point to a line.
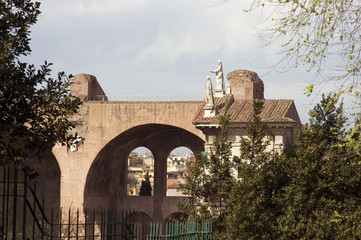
140	222
48	181
106	179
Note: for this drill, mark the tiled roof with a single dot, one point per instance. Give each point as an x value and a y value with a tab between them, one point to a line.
241	111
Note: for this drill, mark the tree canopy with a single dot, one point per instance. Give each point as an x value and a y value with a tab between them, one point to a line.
146	187
209	181
320	34
34	107
311	190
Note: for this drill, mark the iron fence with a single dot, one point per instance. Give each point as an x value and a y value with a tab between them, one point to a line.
24	216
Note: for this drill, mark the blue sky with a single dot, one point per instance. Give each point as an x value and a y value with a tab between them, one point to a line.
159	47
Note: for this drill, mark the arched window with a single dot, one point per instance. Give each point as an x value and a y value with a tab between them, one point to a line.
177	163
140	172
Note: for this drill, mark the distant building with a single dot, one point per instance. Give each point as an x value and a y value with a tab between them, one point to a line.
136	172
148	161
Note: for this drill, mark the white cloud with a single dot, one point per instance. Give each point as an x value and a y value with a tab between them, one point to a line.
149	47
66	8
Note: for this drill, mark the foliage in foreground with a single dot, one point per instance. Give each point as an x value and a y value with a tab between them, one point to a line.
209	181
34	107
310	191
320	34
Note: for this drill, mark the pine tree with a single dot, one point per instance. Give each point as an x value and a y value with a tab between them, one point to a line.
252	208
312	191
146	188
322	199
209	181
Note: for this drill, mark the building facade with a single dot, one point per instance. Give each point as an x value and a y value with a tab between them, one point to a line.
280	116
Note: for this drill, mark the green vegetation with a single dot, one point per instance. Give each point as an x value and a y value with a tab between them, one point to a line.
308	191
209	181
135	161
146	187
34	108
319	34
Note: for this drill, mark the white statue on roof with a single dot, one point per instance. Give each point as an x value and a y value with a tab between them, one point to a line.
209	108
219	79
208	93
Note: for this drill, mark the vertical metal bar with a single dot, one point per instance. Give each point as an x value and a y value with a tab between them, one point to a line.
109	224
3	204
7	203
101	224
60	221
124	226
42	220
93	223
69	225
51	223
167	225
34	207
160	229
115	225
77	224
15	196
24	204
85	224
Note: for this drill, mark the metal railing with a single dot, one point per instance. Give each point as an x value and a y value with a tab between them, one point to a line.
23	216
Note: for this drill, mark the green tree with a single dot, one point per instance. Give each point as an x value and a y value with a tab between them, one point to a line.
135	161
322	199
193	186
313	193
253	206
210	180
146	187
34	107
319	34
308	191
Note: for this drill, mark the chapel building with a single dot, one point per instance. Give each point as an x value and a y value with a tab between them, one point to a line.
244	86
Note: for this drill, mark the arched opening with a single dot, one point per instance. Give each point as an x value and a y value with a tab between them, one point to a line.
140	172
47	183
177	163
140	223
106	182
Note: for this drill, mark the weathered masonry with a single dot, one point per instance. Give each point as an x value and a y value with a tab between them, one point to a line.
93	173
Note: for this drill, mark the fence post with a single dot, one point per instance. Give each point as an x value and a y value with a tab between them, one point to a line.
109	225
69	223
60	221
2	230
7	203
24	204
15	196
77	224
51	223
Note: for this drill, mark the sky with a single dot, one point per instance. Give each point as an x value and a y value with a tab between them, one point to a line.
149	48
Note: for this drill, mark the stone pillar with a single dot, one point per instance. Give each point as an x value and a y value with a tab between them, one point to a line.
160	183
160	172
123	177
